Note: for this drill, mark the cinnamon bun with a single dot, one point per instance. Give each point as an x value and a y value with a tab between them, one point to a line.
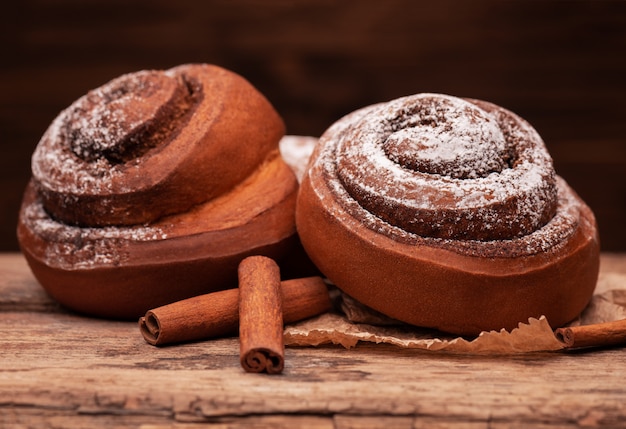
447	213
153	187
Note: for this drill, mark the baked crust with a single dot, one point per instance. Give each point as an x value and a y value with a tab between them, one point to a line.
460	285
153	143
131	225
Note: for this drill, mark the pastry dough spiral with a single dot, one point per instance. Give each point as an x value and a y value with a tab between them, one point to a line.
431	189
153	187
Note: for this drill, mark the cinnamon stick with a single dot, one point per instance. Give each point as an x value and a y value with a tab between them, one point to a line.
595	335
260	316
217	314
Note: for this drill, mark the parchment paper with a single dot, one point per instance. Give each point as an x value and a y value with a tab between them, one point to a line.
354	323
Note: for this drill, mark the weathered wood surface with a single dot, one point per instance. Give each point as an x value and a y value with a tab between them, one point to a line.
63	370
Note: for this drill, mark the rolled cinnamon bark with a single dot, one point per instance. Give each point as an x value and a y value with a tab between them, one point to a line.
596	335
217	314
260	316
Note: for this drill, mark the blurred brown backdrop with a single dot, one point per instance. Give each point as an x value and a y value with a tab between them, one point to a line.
559	64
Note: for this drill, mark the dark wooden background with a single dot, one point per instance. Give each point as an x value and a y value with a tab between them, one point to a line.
559	64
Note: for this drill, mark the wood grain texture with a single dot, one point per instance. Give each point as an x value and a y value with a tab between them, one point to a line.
63	370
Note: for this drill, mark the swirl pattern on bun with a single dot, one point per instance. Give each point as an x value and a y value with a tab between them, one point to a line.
153	187
446	212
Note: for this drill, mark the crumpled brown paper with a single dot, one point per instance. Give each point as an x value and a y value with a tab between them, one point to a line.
348	327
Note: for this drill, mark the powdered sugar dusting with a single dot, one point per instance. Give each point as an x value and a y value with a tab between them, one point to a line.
70	247
52	162
103	129
437	207
413	199
449	137
87	147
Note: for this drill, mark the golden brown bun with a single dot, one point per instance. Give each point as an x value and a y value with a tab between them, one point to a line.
446	213
153	187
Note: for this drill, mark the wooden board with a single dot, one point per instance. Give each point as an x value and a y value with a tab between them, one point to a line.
63	370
